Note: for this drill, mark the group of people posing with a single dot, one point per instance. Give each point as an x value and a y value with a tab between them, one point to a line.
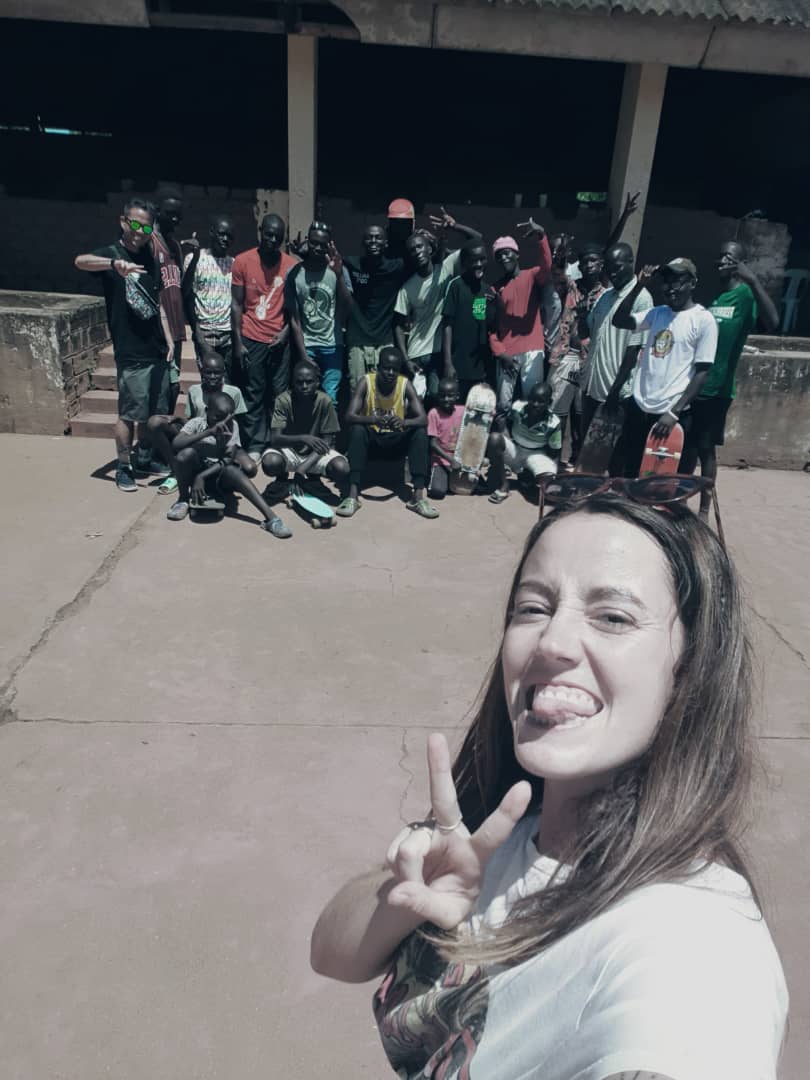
284	333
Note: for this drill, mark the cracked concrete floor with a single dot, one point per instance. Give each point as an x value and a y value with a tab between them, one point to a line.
208	729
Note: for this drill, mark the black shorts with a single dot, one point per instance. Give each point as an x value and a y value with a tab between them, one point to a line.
709	422
143	389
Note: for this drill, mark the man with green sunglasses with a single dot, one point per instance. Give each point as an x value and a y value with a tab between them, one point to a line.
142	341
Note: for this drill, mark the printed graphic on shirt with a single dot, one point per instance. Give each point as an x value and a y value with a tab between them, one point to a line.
662	345
169	271
266	298
479	308
431	1015
722	312
317	310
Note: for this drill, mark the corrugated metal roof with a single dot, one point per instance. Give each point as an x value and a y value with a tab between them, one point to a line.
776	12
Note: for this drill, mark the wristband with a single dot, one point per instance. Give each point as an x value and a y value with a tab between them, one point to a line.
674	415
112	265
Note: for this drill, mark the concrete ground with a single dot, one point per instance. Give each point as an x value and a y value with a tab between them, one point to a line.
207	730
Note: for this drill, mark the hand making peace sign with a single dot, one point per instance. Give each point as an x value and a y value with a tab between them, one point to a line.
439	864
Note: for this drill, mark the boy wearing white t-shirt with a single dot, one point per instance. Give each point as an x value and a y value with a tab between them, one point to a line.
674	363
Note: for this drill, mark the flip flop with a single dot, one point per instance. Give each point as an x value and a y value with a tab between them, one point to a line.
498	496
348	508
169	486
423	508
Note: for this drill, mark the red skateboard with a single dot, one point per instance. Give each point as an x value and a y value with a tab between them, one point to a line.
662	456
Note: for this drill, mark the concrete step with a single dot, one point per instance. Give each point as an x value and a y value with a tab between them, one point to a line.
93	425
106	401
188	358
106	378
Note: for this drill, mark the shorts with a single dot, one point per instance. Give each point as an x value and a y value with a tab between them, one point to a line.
293	459
519	458
709	422
143	389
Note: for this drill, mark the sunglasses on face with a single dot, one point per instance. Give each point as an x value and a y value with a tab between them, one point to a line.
660	491
138	226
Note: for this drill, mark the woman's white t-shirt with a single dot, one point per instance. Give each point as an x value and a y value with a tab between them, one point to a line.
682	980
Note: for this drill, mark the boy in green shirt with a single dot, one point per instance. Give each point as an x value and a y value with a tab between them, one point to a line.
735	310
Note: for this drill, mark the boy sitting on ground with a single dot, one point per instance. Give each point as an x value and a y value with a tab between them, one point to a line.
531	448
302	432
210	460
163	430
443	427
386	418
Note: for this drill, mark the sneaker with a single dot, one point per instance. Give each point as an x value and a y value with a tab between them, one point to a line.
159	468
277	527
124	479
141	461
178	511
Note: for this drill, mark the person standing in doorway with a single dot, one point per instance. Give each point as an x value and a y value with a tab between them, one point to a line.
517	340
674	363
609	344
207	293
401	220
735	311
316	310
141	337
259	329
169	255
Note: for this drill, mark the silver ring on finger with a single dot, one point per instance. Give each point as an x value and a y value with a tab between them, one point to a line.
449	828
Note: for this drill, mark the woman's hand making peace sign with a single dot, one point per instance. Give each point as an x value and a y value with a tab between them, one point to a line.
439	865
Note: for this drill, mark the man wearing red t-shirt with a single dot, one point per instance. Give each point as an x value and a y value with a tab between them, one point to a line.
517	341
259	329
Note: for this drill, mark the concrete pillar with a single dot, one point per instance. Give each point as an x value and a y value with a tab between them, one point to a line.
302	129
636	134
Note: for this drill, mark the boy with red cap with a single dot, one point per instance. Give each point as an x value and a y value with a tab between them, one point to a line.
401	217
517	341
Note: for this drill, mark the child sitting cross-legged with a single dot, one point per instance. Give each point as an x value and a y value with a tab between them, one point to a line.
209	459
302	432
531	445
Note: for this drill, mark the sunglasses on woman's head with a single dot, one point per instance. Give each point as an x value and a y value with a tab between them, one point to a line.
659	491
138	226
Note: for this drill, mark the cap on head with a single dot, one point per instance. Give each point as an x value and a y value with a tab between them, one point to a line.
681	266
590	248
505	243
401	209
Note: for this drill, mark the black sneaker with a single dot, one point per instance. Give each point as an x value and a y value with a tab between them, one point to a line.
124	479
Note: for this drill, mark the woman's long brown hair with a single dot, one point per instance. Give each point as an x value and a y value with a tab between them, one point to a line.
664	815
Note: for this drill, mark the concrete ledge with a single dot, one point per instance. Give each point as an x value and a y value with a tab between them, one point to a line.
49	348
769	422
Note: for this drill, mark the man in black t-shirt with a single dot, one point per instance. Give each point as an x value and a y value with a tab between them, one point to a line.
143	347
375	281
467	317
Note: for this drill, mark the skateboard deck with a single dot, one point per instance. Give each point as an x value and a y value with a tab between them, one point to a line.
471	447
600	442
312	509
210	508
662	456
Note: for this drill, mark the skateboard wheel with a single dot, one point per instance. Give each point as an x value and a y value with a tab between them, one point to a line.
315	523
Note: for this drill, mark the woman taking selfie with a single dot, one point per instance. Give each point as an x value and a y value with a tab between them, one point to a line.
577	905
